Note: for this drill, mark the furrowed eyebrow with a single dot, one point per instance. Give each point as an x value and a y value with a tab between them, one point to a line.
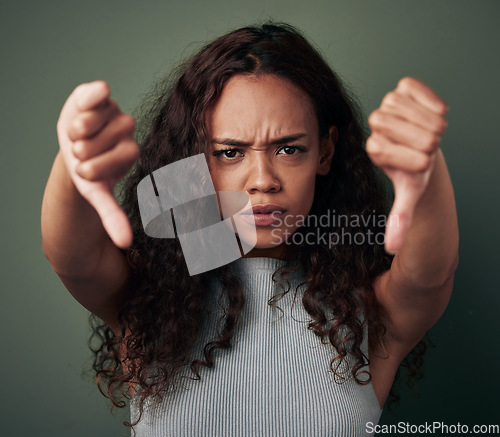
238	143
288	139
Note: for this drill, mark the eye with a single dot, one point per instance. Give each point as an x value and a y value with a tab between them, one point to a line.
228	153
292	150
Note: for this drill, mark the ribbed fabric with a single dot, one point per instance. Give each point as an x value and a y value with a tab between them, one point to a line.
274	380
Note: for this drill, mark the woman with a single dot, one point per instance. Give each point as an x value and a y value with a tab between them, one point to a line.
302	336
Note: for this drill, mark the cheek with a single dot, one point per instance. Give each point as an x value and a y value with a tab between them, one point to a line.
226	179
304	193
218	179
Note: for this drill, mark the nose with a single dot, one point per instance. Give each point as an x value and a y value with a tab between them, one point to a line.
262	176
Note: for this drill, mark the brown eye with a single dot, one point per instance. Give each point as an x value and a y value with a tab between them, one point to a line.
227	153
230	153
291	150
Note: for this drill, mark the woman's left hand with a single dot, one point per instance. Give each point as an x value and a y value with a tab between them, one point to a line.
406	133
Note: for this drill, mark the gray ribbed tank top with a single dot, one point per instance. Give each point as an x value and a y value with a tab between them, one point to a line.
274	380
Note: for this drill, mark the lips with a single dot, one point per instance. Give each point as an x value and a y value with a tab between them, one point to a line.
262	215
264	209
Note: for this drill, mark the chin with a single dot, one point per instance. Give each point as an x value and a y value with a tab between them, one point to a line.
269	252
270	243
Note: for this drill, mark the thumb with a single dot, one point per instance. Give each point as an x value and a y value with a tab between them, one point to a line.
113	218
400	217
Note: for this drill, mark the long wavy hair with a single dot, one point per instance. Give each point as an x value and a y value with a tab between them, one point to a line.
162	314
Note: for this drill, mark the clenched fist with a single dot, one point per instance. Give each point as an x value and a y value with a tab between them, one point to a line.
98	148
406	133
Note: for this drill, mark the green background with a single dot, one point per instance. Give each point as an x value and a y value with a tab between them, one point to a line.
49	47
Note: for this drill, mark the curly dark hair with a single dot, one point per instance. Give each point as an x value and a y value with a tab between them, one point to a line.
162	314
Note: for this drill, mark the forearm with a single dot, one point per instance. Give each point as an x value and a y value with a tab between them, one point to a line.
429	254
72	233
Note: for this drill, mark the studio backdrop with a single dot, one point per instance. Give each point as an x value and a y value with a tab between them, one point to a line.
50	47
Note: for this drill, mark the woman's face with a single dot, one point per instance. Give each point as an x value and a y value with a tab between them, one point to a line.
265	142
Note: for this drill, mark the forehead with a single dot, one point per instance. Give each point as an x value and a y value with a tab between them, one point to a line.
259	107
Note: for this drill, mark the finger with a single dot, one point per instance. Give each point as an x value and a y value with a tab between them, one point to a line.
422	94
384	153
398	222
84	97
403	132
113	218
401	106
89	123
395	232
406	197
91	95
113	164
121	126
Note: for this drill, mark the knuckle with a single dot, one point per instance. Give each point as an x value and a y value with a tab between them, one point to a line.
375	118
127	122
79	150
129	151
390	99
85	122
134	151
376	152
422	163
79	94
445	107
104	85
441	125
372	147
76	129
80	88
89	171
82	125
430	143
405	83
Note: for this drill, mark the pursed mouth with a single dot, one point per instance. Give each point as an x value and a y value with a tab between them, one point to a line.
264	209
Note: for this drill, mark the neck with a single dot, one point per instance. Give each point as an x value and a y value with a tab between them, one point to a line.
277	252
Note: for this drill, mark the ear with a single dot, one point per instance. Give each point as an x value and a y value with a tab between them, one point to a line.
326	151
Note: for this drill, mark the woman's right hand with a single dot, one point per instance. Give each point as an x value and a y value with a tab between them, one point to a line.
97	145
